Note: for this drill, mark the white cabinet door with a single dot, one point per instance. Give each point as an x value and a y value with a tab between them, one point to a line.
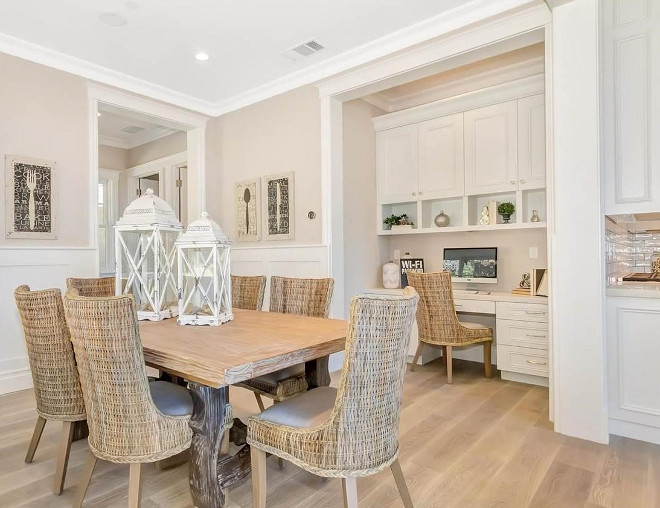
491	154
531	142
441	162
397	164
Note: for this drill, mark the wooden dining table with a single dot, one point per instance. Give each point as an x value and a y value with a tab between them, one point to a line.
211	358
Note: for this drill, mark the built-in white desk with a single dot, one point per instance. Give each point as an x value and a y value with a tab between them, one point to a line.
520	324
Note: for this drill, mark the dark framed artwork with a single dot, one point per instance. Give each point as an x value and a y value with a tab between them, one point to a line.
31	202
279	199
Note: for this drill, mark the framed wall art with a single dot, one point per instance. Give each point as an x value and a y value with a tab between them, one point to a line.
279	199
248	210
31	202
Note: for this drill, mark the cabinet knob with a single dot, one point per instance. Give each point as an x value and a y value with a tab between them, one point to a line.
522	181
513	182
420	193
414	194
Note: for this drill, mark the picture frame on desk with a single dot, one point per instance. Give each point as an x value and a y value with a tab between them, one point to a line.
410	265
539	283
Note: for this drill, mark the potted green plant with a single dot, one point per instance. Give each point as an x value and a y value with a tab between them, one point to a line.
506	210
398	222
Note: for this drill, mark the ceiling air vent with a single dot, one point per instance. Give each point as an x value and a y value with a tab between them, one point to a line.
132	129
306	49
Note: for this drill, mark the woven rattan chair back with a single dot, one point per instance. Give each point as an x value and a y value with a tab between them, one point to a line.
56	385
306	297
124	423
101	286
436	314
247	292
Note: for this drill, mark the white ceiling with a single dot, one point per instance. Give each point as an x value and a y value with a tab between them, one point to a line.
113	123
244	39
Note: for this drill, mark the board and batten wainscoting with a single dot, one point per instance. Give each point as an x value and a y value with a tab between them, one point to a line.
39	268
305	261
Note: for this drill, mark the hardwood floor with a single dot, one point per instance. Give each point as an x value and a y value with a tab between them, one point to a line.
477	443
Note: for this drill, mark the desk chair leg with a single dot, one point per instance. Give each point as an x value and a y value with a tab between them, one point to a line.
416	357
349	486
260	402
135	486
449	366
84	481
443	350
36	436
487	361
66	437
258	462
401	484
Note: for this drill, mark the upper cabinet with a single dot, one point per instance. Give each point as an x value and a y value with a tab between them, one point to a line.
631	105
396	159
531	142
441	157
491	142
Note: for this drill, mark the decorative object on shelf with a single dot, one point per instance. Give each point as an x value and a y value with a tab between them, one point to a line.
535	216
492	212
410	264
204	282
398	222
391	279
30	198
655	265
506	210
484	220
442	219
525	282
145	254
278	196
539	282
248	208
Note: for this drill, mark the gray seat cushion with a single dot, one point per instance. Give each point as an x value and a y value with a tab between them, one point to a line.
310	409
171	399
273	378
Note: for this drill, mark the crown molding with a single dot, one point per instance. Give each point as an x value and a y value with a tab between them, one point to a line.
138	140
61	61
113	142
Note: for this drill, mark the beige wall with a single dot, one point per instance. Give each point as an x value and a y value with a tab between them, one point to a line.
364	251
277	135
43	114
512	251
168	145
113	158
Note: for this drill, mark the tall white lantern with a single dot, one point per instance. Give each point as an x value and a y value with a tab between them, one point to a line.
145	253
204	274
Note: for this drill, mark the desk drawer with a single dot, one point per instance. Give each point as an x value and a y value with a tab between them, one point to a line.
537	312
522	360
522	333
476	306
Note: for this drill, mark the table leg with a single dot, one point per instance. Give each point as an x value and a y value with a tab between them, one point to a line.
317	372
210	470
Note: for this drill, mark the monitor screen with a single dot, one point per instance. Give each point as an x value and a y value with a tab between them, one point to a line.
472	264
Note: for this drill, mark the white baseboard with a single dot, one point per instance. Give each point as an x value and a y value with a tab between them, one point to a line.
525	378
15	381
635	431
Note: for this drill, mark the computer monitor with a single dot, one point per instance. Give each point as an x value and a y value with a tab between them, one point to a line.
472	265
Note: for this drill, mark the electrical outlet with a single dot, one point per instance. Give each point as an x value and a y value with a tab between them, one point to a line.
533	252
397	254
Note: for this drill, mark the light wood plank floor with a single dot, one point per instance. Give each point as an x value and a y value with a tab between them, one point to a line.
476	443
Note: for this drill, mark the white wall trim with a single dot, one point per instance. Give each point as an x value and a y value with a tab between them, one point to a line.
634	430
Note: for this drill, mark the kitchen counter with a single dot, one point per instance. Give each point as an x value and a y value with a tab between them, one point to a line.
634	289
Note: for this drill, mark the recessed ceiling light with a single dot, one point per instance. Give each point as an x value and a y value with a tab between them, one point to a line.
113	19
201	56
98	114
131	5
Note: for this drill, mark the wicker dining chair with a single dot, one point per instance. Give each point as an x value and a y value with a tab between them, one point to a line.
247	292
351	431
305	297
54	375
438	324
101	286
130	419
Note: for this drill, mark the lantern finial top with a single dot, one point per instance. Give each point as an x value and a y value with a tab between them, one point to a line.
204	230
149	210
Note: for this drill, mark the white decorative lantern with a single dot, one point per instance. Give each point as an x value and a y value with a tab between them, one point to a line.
204	274
145	254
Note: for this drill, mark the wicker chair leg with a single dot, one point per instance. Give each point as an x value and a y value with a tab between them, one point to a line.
66	437
449	365
36	436
401	484
487	361
84	481
349	486
258	461
135	486
280	460
260	402
416	357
